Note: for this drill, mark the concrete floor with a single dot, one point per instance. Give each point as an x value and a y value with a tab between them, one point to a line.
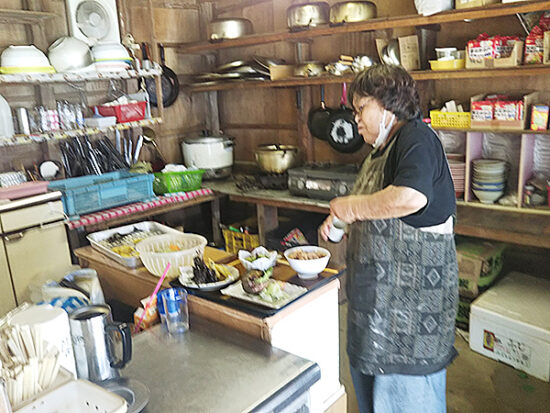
475	384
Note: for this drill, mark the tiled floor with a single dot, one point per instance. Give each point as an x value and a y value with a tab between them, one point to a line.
475	384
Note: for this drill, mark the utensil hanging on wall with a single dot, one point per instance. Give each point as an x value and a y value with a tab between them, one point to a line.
169	81
318	120
343	134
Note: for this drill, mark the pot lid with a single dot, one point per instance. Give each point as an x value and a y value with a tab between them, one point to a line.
276	148
208	139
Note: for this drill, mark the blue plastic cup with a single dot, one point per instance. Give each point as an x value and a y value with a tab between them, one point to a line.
172	308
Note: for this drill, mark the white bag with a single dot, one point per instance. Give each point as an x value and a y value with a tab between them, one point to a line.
429	7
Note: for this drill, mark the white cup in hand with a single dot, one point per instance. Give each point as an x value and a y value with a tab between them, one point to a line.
337	230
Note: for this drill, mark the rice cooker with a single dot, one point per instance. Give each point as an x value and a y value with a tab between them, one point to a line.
214	154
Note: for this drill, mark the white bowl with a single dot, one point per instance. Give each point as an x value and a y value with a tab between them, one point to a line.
109	51
69	54
262	264
487	197
23	56
308	269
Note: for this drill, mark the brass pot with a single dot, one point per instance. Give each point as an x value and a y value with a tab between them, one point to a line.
275	158
229	28
352	11
305	15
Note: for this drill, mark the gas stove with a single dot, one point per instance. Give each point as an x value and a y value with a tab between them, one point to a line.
322	180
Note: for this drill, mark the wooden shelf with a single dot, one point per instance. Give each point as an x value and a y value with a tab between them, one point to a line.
60	135
504	208
381	23
535	70
40	78
11	16
514	132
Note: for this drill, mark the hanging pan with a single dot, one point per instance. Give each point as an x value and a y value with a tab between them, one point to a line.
343	134
318	120
169	81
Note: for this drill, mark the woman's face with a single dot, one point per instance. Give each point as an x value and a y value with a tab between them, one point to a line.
368	114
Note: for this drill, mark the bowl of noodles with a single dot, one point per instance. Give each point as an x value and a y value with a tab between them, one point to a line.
307	260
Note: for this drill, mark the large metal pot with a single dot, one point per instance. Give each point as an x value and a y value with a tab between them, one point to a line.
229	28
352	11
305	15
275	158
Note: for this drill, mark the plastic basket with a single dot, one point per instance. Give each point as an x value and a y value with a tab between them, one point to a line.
155	262
185	181
77	396
96	192
125	113
236	241
457	120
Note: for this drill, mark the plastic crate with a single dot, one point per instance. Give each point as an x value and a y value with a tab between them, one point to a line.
235	241
129	112
96	192
185	181
458	120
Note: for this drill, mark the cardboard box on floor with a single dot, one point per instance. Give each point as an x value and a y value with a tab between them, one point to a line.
409	53
479	263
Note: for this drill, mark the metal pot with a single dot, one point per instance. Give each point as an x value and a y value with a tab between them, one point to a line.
309	69
229	28
352	11
303	16
214	154
275	158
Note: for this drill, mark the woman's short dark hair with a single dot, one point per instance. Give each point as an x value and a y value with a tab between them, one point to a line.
392	85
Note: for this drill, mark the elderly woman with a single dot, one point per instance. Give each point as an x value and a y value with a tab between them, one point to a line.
403	284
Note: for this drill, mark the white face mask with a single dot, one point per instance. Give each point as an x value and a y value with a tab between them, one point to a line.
383	130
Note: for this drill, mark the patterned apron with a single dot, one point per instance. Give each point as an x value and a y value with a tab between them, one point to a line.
402	290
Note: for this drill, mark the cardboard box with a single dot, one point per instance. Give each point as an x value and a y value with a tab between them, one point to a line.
546	55
409	52
515	125
280	72
479	263
466	4
511	323
513	60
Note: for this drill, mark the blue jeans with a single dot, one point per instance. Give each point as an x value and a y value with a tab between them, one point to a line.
400	393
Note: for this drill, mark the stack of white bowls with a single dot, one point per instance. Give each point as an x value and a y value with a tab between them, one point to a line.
489	179
24	59
458	171
111	57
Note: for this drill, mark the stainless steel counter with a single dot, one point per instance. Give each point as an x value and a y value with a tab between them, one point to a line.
212	369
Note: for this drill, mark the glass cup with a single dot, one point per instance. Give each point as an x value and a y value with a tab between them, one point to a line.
172	307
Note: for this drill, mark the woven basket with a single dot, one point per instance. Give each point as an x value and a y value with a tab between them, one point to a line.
456	120
155	262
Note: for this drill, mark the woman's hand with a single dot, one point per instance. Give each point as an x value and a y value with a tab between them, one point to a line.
325	227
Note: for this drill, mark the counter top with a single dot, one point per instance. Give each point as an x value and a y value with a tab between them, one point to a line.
211	368
29	201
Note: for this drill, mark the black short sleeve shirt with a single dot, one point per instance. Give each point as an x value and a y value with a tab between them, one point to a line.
417	160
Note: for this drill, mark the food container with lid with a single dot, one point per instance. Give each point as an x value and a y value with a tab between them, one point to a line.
229	28
305	15
214	154
352	11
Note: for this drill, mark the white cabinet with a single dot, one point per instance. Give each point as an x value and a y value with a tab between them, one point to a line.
7	298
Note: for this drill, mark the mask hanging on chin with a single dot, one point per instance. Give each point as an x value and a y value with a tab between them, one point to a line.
383	130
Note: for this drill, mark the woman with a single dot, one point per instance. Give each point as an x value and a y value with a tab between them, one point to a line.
402	273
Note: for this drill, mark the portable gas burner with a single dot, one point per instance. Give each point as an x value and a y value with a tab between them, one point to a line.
322	180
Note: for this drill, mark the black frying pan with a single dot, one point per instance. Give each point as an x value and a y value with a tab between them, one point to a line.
318	120
169	81
343	134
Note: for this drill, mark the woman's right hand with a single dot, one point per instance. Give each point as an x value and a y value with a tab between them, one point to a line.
325	227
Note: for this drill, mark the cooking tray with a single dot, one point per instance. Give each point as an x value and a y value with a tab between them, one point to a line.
282	271
154	228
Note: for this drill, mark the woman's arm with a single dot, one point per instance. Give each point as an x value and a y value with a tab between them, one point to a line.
391	202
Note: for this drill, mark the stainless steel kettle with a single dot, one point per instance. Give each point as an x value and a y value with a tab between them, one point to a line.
92	334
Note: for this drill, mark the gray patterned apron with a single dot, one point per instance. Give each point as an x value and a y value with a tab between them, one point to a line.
402	290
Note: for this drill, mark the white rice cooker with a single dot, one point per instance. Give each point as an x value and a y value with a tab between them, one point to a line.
214	154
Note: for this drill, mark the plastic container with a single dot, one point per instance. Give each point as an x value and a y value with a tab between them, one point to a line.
6	119
129	112
236	241
77	396
455	64
458	120
191	245
96	192
23	190
167	182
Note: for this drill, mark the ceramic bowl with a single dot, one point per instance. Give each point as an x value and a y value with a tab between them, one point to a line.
109	51
23	56
69	53
308	269
487	197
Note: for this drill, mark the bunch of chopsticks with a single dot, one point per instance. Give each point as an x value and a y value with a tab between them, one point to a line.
28	364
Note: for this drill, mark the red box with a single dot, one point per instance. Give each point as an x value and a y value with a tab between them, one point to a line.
125	113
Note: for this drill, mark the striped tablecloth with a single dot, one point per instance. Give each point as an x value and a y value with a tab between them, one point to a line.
108	214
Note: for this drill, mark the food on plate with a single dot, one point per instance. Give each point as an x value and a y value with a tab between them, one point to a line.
126	251
205	273
254	257
306	255
273	292
127	240
254	281
169	248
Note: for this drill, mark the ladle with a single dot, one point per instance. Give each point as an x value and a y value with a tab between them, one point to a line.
149	136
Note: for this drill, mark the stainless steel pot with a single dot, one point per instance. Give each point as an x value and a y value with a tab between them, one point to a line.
302	16
229	28
275	158
309	69
352	11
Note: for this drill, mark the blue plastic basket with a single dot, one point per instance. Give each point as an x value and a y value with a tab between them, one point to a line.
96	192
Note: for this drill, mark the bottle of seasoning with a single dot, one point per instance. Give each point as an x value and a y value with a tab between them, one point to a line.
528	191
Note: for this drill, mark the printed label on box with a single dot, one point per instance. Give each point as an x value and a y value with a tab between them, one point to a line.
508	350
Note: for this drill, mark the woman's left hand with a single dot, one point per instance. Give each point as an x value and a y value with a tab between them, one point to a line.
341	207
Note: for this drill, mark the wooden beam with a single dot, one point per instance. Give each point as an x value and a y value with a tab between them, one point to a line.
239	5
261	126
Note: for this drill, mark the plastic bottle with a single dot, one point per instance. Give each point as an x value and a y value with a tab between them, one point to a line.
6	119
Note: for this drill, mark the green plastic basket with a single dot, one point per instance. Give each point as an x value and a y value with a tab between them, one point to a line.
167	182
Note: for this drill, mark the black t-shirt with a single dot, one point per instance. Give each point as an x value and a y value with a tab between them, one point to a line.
417	160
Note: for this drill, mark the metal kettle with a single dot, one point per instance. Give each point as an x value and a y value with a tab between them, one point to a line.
92	334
